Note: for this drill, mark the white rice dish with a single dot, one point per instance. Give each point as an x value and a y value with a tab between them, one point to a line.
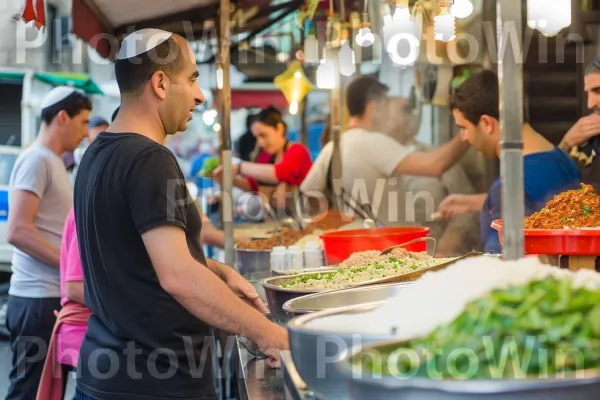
438	298
351	276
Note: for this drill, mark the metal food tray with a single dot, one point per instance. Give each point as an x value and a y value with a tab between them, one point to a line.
343	298
277	296
316	352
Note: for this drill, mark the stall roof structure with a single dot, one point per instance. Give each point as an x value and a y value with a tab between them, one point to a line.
103	23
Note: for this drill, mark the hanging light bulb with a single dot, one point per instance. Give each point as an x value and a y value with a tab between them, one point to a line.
444	24
326	74
217	127
461	8
294	107
311	47
365	37
549	20
401	29
346	57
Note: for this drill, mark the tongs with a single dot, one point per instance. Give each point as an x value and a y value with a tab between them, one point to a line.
430	245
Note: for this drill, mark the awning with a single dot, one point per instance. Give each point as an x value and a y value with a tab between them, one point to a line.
11	76
79	81
103	23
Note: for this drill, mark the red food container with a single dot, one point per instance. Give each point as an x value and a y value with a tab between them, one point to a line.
574	242
340	245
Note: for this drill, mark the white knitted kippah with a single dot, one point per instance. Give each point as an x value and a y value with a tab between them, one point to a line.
56	95
142	41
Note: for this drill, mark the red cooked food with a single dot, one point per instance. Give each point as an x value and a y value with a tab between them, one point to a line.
579	208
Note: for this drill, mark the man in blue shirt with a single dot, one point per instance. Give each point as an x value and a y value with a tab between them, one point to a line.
548	170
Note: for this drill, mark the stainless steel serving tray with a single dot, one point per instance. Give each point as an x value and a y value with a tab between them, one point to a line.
277	296
342	298
365	385
317	352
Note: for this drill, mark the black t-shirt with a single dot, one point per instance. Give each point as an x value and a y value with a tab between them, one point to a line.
140	342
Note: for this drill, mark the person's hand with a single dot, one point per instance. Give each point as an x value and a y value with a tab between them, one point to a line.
244	290
583	130
217	174
272	343
455	205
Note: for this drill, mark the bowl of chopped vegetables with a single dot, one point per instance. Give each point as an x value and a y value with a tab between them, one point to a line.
281	289
536	340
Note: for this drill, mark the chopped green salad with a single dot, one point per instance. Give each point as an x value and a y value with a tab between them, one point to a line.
348	276
544	329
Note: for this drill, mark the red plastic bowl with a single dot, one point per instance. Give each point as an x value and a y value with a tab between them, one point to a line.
574	242
340	245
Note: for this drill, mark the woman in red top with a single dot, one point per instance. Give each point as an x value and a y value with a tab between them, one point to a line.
278	161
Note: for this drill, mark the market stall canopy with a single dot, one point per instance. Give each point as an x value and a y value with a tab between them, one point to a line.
79	81
103	23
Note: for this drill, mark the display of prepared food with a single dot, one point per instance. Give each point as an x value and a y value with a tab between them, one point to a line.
284	237
289	237
349	276
545	328
579	208
370	256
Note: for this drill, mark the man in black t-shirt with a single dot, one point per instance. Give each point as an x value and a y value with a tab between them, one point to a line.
153	294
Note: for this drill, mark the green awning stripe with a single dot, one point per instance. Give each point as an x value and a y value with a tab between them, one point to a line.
79	81
11	76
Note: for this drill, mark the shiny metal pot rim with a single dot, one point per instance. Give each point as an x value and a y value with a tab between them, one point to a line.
289	306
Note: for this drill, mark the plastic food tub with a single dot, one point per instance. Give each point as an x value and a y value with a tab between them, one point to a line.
575	242
340	245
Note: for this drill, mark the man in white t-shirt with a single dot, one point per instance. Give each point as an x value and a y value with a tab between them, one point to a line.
40	199
373	163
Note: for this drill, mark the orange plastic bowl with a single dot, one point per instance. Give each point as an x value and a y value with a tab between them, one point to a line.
575	242
340	245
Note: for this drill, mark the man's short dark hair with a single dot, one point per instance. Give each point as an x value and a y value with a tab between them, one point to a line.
73	104
114	114
477	96
133	73
593	68
361	91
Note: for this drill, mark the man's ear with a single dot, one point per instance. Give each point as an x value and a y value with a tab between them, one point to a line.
487	124
159	82
62	117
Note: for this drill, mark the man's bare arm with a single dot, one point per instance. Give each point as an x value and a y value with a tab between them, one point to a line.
201	291
22	232
433	163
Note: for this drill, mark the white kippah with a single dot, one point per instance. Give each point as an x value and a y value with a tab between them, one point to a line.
56	95
142	41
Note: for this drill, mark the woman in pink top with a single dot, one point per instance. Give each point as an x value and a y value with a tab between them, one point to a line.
70	335
71	320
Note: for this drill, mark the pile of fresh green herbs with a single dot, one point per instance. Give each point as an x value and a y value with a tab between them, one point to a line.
545	329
